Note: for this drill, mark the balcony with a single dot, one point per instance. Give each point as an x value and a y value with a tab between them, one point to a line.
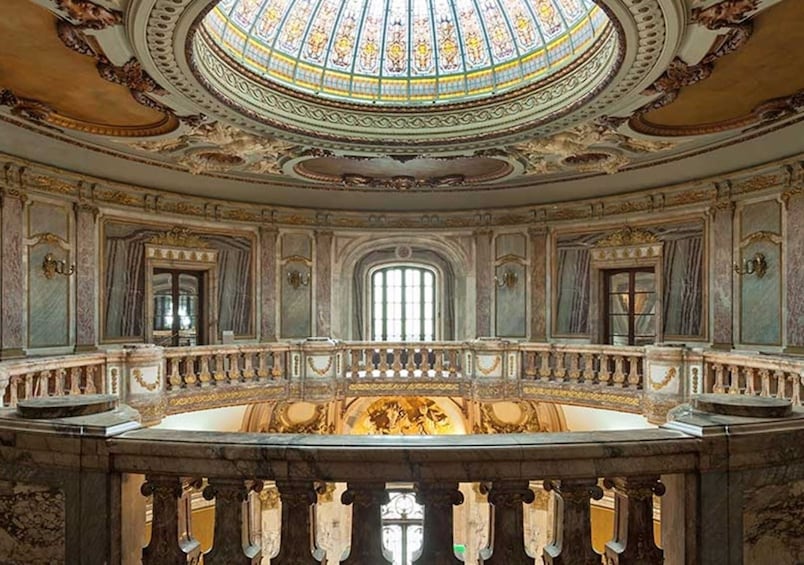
79	470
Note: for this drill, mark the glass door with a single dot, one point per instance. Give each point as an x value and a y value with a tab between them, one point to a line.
178	307
630	307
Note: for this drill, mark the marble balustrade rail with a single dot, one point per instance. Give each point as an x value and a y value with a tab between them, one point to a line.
52	376
226	467
754	374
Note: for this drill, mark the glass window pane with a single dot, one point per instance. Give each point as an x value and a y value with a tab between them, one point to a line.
618	304
618	325
619	282
644	325
645	303
644	282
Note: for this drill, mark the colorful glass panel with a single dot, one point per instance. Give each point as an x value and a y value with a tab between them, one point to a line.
405	52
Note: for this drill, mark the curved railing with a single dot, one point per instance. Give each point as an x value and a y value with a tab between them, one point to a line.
645	380
94	475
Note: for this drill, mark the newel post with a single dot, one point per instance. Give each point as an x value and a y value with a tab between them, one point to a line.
144	381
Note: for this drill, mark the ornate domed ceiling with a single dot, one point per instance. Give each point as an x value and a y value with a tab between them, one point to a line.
399	104
405	52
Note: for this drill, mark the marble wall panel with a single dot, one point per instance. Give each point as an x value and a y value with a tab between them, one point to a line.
510	244
32	524
795	273
296	304
48	299
772	524
511	306
297	244
44	217
761	298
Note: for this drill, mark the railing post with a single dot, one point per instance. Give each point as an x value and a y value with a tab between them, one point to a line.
438	500
297	527
144	381
231	545
506	498
633	542
572	529
366	500
164	548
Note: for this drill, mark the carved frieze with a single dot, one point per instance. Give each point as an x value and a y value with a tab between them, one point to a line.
179	237
627	236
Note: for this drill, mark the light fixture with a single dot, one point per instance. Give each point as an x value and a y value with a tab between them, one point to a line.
757	265
297	279
507	280
51	267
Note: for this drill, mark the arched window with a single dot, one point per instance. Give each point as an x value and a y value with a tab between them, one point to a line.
403	303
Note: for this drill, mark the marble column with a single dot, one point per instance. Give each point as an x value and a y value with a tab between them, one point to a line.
12	283
794	239
722	246
483	280
268	292
323	283
538	283
86	250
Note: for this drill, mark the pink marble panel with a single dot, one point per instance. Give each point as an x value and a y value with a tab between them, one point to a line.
86	246
538	284
722	227
268	240
323	284
483	280
13	279
795	272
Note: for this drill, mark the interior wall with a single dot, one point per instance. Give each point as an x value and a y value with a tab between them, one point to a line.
582	419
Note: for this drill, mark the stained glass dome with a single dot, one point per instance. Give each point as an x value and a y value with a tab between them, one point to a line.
405	52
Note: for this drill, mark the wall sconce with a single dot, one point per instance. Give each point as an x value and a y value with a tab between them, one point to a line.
754	266
297	279
508	279
52	267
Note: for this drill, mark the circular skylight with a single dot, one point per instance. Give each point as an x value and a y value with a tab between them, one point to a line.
405	52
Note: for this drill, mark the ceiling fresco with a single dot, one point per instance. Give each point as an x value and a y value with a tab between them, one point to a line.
405	102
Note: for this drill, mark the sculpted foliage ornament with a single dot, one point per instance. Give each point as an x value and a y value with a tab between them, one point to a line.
179	237
90	15
627	236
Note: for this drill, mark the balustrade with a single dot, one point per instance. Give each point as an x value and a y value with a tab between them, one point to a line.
754	375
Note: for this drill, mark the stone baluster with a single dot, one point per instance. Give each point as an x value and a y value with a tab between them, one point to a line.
559	372
764	379
719	387
89	375
220	368
190	376
29	386
545	372
235	374
262	367
619	376
748	374
572	528
366	500
164	548
634	378
425	362
588	367
75	380
438	500
297	525
382	366
795	395
396	365
438	363
204	374
59	382
175	376
41	388
410	366
13	385
573	372
734	379
276	371
506	499
780	384
633	542
248	366
354	358
369	359
603	374
453	363
530	364
231	546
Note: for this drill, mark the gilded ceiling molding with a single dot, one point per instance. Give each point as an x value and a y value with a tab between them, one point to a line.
282	423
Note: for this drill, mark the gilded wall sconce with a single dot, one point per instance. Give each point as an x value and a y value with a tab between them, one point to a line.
298	279
757	265
52	267
507	280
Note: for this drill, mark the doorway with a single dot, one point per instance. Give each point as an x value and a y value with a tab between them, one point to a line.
178	307
629	306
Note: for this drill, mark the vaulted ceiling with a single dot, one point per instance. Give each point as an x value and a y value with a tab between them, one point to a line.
402	104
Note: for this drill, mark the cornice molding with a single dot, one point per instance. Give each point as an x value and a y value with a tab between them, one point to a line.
680	199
